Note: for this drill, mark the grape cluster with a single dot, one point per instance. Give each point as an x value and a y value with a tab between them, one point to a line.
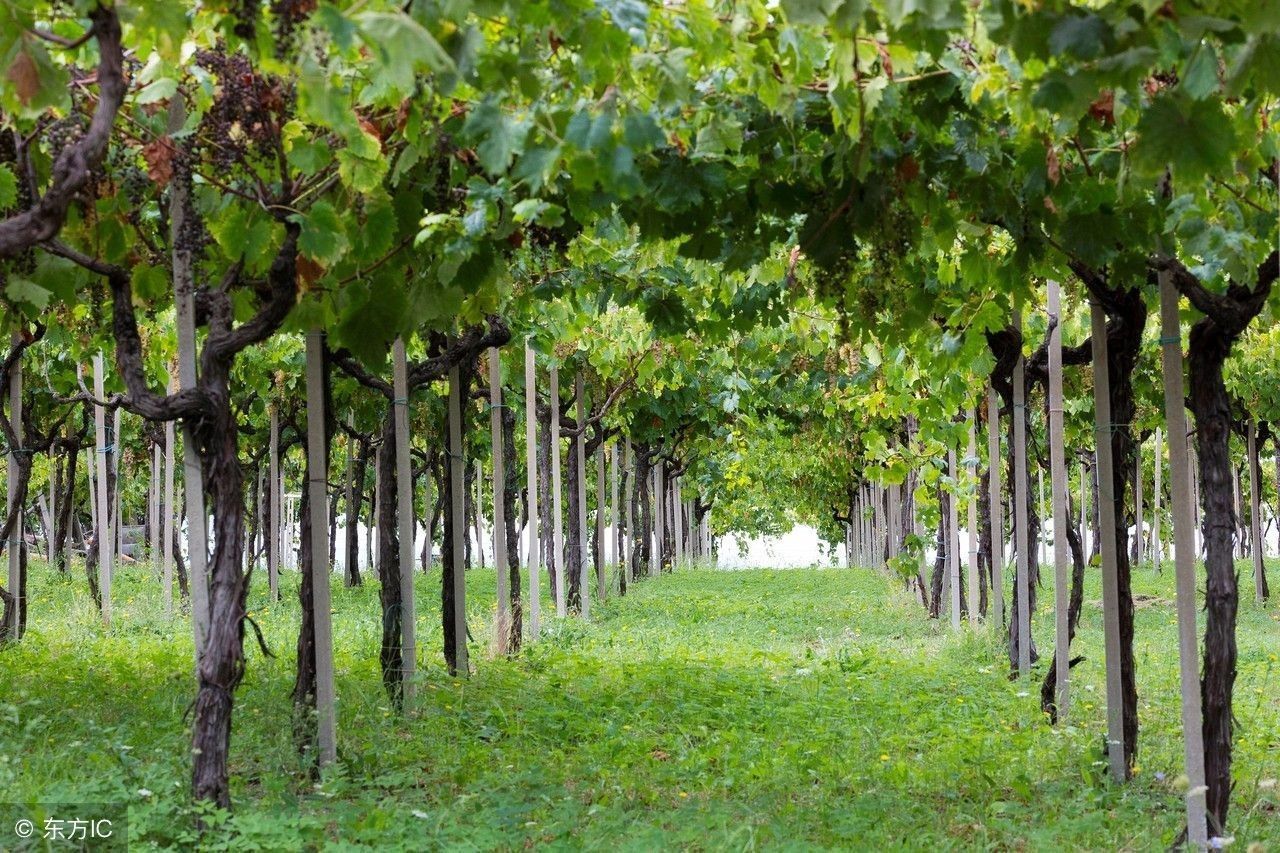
248	108
134	183
63	132
9	156
246	15
193	237
125	175
287	15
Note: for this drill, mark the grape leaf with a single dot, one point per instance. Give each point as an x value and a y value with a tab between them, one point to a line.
1200	79
8	187
27	291
500	137
323	237
1194	137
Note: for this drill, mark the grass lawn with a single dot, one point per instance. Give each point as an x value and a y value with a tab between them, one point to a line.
708	710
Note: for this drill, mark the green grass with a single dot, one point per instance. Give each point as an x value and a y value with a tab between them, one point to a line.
708	710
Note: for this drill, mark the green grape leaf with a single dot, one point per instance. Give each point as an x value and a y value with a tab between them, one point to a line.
149	282
500	137
8	187
534	167
641	132
1200	79
1194	137
402	44
243	232
26	291
1081	36
1257	63
323	237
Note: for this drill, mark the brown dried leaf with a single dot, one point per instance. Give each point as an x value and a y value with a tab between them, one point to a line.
1103	109
159	156
1052	165
309	271
25	77
370	128
886	62
908	169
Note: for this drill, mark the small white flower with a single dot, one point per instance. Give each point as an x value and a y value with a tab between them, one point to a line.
418	813
1022	694
1218	842
144	793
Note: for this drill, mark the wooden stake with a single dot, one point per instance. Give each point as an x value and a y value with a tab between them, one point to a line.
602	587
996	505
318	500
479	506
90	459
116	524
153	506
456	494
51	541
502	626
1042	539
264	509
557	509
348	498
372	521
405	522
375	553
1139	534
1184	557
953	538
580	451
16	533
1084	515
1195	497
273	464
616	539
192	473
102	532
848	546
1157	547
973	594
1058	477
1020	500
677	522
1255	512
1107	522
534	559
628	538
169	517
890	520
1237	506
659	493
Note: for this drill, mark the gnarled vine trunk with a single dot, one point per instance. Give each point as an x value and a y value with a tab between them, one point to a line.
453	519
354	502
390	654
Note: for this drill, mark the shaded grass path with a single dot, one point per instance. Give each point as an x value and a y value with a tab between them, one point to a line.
711	710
